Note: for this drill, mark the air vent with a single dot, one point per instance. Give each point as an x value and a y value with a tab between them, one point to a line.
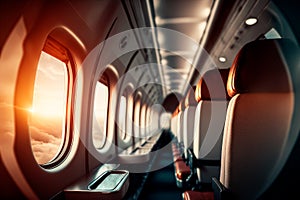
123	42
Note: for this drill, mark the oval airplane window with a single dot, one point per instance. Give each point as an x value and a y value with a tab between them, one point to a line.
129	117
142	121
136	121
100	114
49	107
122	117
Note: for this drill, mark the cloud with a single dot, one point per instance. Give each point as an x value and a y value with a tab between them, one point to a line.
43	136
44	152
45	142
50	68
45	133
50	72
46	124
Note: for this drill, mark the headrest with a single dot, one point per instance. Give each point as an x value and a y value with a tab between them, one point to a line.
181	106
176	111
261	66
190	99
212	85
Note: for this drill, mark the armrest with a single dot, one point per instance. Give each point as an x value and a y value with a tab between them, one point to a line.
205	162
191	158
197	163
220	191
105	182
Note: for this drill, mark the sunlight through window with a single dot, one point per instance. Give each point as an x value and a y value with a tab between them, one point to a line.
100	115
48	111
122	117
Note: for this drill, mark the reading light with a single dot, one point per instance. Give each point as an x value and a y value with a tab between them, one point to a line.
164	62
222	59
251	21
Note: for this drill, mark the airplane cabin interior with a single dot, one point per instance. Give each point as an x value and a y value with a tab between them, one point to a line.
149	99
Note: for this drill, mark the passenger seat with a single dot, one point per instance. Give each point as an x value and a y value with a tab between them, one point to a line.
182	170
209	123
259	130
188	120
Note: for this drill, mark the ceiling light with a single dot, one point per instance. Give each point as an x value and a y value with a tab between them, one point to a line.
164	62
202	26
222	59
158	20
205	12
176	20
251	21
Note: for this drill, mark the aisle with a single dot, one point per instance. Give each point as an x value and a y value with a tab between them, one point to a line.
161	184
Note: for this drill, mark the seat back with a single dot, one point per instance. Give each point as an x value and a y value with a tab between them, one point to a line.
209	120
174	123
180	124
188	120
258	121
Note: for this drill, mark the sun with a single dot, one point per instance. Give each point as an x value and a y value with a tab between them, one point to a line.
31	110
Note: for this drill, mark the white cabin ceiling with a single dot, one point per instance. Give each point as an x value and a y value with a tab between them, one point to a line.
188	18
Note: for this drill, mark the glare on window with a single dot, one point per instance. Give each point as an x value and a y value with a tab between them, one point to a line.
100	115
122	117
137	109
48	111
129	117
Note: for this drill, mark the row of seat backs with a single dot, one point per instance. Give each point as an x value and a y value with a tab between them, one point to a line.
198	93
262	119
201	120
209	121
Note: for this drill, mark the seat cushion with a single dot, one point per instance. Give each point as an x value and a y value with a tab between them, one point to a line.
256	129
182	171
196	195
209	123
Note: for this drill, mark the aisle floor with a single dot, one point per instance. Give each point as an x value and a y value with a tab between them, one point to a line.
161	184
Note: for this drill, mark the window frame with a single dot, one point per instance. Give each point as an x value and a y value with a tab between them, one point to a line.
60	52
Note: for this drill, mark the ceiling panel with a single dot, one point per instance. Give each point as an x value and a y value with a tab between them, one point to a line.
176	62
180	8
177	51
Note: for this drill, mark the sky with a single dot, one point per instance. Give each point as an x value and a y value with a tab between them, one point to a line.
50	87
100	112
48	108
47	114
